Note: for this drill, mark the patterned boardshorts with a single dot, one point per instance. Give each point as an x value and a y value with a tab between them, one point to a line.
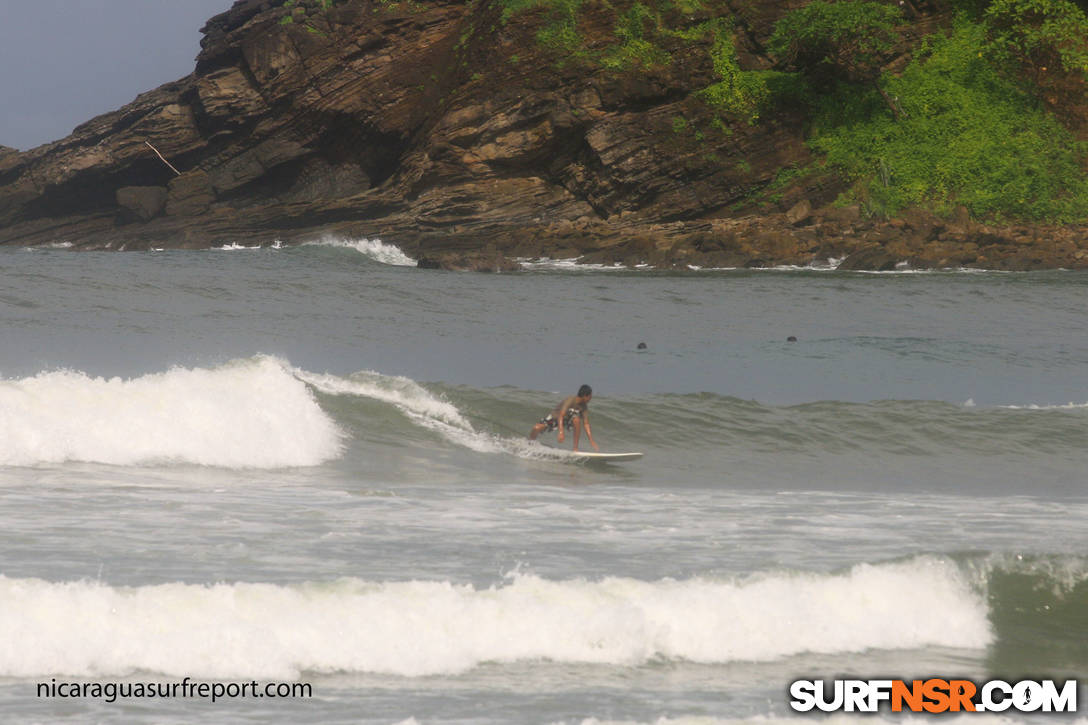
568	420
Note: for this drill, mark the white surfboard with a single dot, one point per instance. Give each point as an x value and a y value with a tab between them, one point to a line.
593	456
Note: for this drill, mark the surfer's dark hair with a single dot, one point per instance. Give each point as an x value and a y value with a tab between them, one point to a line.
584	391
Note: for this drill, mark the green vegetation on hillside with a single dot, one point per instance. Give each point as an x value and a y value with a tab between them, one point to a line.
298	12
847	39
966	136
1040	35
560	31
961	124
739	93
968	121
634	30
1042	44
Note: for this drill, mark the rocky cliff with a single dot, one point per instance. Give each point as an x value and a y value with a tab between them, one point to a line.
449	129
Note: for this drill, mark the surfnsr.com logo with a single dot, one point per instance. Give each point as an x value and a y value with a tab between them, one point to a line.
933	695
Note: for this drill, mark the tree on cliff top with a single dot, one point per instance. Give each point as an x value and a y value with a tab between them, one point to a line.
830	41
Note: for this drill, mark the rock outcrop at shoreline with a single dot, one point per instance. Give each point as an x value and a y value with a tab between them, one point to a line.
446	129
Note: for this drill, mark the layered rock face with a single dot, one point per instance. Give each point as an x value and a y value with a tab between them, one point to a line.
447	129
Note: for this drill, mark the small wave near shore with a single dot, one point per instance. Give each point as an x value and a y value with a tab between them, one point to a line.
440	627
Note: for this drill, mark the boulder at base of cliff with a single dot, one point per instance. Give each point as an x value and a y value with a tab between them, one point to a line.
870	259
142	203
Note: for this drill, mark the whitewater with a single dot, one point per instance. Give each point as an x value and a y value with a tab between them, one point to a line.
309	464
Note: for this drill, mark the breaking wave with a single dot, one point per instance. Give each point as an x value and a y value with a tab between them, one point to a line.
262	412
418	628
251	413
375	249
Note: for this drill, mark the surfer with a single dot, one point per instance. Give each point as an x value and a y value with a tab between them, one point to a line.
571	414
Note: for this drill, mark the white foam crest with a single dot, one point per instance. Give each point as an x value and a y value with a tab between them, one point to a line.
234	247
930	270
1063	573
376	249
428	411
249	413
571	265
1066	406
405	393
424	628
831	264
50	245
412	399
525	448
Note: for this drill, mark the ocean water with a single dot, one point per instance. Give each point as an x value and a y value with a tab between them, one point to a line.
308	465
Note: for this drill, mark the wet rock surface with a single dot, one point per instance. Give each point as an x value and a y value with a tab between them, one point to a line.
452	133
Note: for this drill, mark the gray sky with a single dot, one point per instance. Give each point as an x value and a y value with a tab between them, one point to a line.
63	62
